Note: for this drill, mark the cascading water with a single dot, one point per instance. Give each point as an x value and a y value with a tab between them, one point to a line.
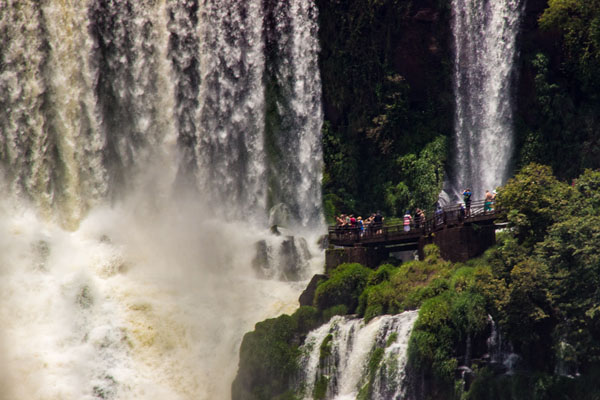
485	50
337	354
115	282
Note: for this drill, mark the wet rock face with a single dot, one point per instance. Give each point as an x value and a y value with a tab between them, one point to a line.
308	295
284	258
428	15
294	257
260	263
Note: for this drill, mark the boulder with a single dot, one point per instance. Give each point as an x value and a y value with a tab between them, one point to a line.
307	297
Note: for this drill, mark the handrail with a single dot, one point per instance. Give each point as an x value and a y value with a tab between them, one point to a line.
446	216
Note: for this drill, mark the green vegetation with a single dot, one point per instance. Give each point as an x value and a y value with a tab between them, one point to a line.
539	283
268	356
388	104
344	286
391	290
558	102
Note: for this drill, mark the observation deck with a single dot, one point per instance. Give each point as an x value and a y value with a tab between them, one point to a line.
460	234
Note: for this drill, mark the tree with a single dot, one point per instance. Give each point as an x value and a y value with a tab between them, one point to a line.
532	201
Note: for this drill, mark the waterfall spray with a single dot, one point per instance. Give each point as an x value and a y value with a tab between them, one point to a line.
116	282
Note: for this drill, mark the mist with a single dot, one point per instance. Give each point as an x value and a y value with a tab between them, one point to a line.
138	302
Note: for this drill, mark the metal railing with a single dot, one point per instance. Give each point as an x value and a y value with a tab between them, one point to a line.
444	217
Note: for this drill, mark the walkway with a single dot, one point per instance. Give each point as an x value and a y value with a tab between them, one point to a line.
394	234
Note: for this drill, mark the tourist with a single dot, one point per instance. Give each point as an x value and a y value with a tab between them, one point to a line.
439	215
487	205
360	224
368	223
421	217
407	221
418	218
378	223
467	197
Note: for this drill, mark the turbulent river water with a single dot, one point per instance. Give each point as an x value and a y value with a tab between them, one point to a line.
140	165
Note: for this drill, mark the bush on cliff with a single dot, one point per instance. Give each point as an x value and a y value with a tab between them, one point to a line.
343	287
391	290
539	284
445	323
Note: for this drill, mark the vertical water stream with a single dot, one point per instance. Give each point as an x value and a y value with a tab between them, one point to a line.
485	51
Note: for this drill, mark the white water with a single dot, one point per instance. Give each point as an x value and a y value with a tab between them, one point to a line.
485	51
115	282
352	344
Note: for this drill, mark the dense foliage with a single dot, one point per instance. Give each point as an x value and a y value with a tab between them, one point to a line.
388	103
540	284
558	106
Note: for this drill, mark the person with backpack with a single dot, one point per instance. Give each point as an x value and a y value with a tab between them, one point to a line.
467	198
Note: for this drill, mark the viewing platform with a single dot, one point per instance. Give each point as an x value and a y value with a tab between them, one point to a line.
459	234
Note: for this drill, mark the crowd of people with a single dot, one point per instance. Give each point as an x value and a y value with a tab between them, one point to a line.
374	223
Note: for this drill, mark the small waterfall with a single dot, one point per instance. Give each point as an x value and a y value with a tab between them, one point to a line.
500	351
338	354
485	51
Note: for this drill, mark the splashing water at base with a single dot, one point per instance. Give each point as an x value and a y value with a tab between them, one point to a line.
131	305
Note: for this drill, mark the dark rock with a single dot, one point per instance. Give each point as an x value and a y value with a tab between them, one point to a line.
275	231
323	242
427	15
307	297
285	260
260	262
370	257
293	258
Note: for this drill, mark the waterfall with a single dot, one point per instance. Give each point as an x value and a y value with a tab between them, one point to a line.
485	51
337	356
139	171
